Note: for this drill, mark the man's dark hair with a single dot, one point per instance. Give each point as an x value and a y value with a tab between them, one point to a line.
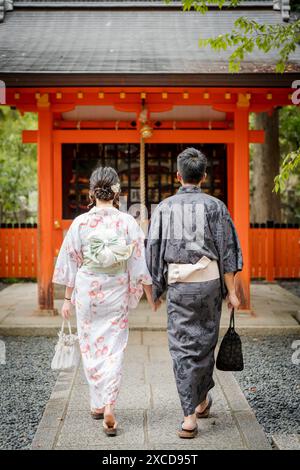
191	164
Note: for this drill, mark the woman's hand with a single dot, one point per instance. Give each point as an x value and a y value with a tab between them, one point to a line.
232	300
66	310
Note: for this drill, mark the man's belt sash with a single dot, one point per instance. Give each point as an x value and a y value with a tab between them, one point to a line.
204	270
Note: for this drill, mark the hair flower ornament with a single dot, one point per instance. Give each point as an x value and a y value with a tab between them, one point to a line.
115	187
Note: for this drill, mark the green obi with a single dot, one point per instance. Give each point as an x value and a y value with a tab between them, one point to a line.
118	268
106	252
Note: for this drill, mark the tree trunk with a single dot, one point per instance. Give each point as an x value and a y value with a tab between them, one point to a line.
265	204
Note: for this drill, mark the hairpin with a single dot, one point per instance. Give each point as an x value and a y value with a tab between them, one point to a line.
115	188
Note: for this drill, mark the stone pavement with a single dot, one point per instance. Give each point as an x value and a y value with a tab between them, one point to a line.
273	311
148	408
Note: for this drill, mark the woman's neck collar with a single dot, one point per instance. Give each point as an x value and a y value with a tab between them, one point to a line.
104	204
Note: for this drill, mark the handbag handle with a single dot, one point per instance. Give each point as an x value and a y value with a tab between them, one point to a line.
63	326
232	323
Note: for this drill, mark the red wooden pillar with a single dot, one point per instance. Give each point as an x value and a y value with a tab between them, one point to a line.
45	207
230	187
241	197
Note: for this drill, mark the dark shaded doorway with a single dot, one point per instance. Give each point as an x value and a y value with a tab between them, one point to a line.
79	160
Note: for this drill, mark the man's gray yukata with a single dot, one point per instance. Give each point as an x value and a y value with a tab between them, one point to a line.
183	228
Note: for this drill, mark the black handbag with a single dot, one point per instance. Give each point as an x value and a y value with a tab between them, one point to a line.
230	355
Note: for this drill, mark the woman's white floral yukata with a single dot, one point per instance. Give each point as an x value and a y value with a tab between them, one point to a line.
102	295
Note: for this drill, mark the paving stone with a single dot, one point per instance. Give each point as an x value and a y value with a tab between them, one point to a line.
80	430
54	413
233	393
135	337
148	409
80	377
196	444
131	397
271	304
214	433
156	372
44	438
159	339
164	396
158	321
219	401
80	398
136	354
160	354
138	322
134	397
286	441
252	432
134	374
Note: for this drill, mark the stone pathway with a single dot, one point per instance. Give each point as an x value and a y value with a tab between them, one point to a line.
274	312
148	409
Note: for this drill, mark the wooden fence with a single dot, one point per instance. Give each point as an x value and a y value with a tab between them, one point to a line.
275	252
18	252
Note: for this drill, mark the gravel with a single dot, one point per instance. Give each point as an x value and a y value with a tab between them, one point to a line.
25	387
270	382
291	286
3	285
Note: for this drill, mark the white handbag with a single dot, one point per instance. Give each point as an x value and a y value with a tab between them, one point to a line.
67	352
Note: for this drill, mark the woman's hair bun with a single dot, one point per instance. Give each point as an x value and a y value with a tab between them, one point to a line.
102	182
104	193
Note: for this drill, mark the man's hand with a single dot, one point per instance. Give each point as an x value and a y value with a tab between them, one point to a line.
148	291
66	310
232	300
157	305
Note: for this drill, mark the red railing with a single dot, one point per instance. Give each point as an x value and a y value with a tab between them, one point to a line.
18	252
275	252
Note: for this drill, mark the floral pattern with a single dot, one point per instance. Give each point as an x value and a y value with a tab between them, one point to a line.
102	300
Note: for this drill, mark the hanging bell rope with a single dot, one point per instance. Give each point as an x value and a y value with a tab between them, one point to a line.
142	182
145	133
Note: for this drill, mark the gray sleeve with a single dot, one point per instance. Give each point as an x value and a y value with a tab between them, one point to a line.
155	251
227	244
232	253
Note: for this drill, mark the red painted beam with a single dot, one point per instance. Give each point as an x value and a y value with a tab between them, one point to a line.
156	97
132	136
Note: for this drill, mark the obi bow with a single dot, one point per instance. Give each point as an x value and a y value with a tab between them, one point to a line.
106	249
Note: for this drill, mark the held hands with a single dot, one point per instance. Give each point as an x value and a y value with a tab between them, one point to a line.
66	310
232	300
154	305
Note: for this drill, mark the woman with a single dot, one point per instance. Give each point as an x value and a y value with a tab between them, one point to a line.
102	264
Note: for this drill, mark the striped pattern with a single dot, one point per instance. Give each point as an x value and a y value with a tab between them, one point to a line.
18	252
275	253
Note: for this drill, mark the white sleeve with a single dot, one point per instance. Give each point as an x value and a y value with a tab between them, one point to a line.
69	257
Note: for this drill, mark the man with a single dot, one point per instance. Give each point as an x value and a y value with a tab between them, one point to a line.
193	251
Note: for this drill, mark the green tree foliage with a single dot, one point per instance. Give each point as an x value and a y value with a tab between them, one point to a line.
18	174
290	146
